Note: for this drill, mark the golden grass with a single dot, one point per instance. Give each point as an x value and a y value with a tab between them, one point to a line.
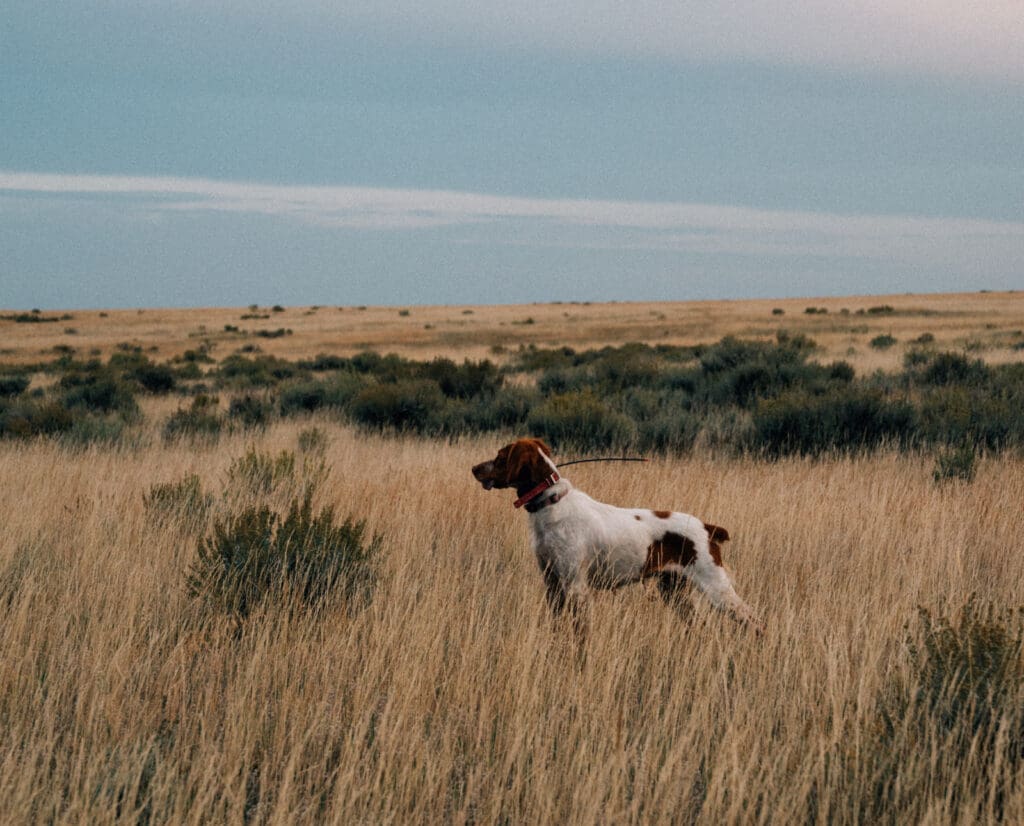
986	323
453	698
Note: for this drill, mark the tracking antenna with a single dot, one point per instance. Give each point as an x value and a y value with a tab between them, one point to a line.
603	459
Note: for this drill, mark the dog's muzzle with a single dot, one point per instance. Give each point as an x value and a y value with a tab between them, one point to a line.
482	473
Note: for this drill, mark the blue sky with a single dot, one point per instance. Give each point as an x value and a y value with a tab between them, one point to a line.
184	153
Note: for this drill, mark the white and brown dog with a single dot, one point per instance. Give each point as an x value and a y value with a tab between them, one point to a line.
582	543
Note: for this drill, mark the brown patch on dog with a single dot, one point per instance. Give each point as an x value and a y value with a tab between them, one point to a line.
671	549
636	516
662	514
526	465
518	465
716	534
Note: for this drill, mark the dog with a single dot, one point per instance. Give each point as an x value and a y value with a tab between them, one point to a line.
582	544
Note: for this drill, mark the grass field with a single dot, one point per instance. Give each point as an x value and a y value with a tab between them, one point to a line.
988	324
452	697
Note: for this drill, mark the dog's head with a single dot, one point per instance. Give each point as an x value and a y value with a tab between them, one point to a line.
520	465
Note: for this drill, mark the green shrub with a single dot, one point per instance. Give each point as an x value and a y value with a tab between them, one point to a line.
256	555
260	473
263	371
32	318
668	432
326	362
507	410
86	430
962	697
250	410
795	341
335	392
406	405
915	360
532	358
130	363
200	356
25	418
188	371
198	421
986	416
882	342
155	378
968	670
471	378
841	371
566	380
97	389
582	420
843	419
953	368
736	372
955	464
313	440
304	397
13	385
183	500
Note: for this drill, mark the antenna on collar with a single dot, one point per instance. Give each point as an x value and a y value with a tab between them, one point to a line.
604	459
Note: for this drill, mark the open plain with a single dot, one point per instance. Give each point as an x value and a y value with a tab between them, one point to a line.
450	696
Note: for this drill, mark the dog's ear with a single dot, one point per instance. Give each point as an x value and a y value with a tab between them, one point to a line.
543	446
525	462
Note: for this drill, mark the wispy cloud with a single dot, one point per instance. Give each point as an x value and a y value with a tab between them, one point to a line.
495	219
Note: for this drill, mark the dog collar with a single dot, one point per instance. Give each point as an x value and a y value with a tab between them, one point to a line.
529	496
539	504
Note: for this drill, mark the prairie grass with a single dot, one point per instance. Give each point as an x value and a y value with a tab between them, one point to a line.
989	323
452	697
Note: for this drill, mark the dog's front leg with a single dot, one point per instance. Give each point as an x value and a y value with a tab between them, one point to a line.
554	593
568	592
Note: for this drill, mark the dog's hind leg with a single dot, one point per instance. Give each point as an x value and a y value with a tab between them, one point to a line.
674	589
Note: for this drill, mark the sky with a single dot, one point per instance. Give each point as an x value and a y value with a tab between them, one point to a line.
196	153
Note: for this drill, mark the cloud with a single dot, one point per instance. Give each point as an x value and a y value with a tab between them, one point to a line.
572	223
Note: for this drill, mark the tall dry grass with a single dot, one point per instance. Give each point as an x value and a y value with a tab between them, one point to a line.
453	697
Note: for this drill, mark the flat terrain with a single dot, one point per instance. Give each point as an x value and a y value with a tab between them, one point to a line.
452	697
988	324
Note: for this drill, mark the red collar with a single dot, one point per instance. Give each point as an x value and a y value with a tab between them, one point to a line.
528	497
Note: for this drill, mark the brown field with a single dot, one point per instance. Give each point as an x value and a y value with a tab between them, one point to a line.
452	697
988	324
